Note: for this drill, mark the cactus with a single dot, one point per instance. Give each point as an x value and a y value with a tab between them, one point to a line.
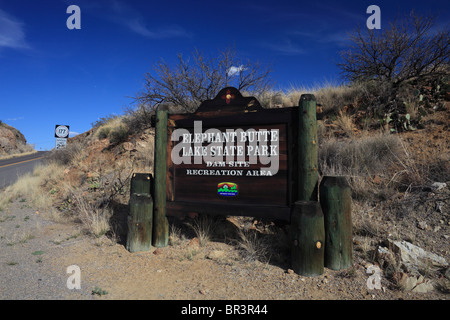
400	123
405	120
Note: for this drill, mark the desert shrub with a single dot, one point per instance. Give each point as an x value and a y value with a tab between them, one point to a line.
138	119
104	128
25	148
118	134
115	128
103	133
67	155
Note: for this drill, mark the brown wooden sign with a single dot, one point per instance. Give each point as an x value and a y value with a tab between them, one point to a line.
232	157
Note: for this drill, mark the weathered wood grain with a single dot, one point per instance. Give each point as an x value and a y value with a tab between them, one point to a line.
335	199
307	237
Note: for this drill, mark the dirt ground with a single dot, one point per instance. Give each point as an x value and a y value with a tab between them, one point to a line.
36	252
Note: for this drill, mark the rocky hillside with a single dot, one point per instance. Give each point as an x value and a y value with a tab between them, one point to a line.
12	141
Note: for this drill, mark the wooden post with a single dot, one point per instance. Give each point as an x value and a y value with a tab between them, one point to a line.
140	220
161	224
141	183
307	236
335	199
308	175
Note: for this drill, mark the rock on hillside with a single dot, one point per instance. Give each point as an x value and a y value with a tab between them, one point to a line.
11	140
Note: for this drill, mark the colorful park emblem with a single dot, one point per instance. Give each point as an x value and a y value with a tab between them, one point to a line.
227	189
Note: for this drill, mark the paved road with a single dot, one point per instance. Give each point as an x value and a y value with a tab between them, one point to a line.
12	169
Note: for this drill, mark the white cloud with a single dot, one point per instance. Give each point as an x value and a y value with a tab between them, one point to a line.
15	119
12	33
232	71
73	133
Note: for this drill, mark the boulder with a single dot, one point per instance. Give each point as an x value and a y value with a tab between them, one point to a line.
406	282
414	284
414	257
128	146
437	186
423	287
216	255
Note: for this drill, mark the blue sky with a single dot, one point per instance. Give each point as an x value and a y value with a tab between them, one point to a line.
52	75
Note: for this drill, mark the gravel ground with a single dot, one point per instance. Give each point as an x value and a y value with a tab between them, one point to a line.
29	247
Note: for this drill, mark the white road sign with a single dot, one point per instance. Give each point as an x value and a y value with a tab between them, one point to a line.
61	143
61	131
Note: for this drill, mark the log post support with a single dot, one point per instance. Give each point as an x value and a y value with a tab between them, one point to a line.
335	199
307	221
308	175
307	238
160	222
140	219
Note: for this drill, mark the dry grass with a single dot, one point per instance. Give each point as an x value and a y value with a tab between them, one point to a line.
345	122
18	154
415	171
362	156
176	236
332	97
36	186
143	155
252	247
105	128
203	227
369	163
95	220
115	129
50	185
